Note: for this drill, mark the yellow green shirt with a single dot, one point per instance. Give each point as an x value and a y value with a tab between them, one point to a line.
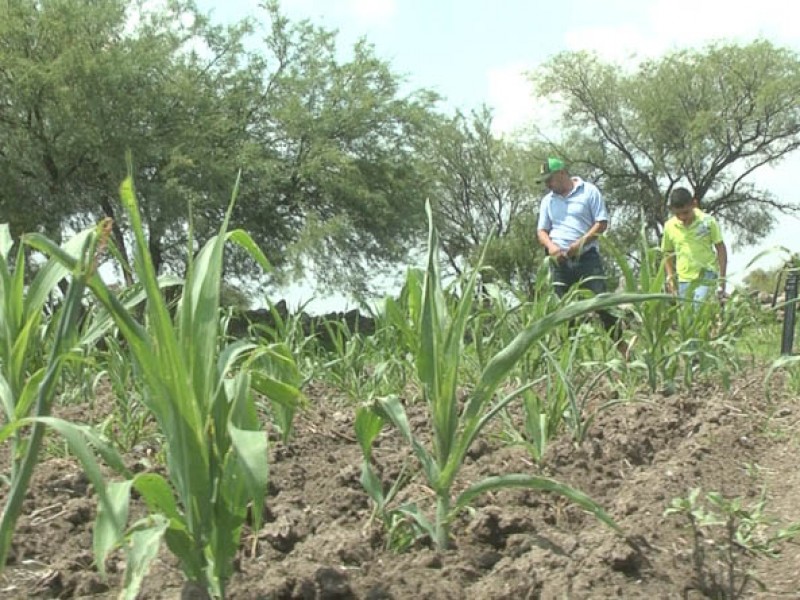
693	246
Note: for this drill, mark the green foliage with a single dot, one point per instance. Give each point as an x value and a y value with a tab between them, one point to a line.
440	333
731	532
127	424
515	258
681	340
27	406
791	366
201	395
483	186
403	524
327	144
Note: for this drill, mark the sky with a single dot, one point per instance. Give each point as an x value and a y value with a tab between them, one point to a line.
476	52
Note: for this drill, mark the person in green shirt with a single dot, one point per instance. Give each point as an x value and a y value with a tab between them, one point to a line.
696	256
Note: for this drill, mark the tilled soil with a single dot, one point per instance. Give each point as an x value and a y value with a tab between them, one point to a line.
319	541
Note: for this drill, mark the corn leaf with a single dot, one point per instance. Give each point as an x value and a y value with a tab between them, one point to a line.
394	411
543	484
107	532
142	550
252	450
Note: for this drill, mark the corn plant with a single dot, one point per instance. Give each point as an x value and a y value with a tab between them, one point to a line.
562	399
791	366
296	332
400	522
351	360
201	395
656	352
440	332
129	418
23	353
27	397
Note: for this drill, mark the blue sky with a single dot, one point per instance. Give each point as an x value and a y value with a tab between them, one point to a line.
478	51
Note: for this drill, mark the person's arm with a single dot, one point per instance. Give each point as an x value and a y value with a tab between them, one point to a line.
669	262
669	268
722	254
594	231
552	249
543	230
722	261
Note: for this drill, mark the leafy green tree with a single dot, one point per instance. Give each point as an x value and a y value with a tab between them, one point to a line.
766	281
515	258
342	170
707	118
327	147
483	184
80	89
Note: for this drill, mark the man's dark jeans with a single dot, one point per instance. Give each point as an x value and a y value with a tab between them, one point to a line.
589	273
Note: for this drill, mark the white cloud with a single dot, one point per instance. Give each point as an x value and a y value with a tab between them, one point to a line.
510	94
372	12
663	25
623	44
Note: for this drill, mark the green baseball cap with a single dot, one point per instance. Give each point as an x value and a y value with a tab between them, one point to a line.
550	166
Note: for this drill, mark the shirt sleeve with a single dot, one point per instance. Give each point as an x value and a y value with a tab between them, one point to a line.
544	215
716	234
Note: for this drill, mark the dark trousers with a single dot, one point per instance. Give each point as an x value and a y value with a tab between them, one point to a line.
588	272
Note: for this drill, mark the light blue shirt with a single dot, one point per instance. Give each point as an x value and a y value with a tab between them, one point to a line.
567	218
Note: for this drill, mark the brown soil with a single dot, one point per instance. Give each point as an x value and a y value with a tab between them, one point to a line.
319	542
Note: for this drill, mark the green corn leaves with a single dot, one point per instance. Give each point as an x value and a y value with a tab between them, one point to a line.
202	398
30	387
201	393
440	325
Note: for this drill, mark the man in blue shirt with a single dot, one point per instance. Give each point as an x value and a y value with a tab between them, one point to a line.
571	217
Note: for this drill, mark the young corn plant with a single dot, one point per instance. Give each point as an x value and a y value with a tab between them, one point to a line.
28	390
200	392
655	347
791	366
572	382
351	360
454	427
564	398
701	345
295	332
401	523
23	351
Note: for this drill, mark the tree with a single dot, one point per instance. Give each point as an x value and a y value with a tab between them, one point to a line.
483	185
79	90
326	147
707	118
766	281
343	172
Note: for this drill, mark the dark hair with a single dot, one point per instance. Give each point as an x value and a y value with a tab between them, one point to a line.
680	198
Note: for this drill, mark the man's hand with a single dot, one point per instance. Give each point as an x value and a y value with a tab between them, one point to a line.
557	253
575	248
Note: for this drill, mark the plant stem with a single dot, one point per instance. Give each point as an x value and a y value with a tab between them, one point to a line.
442	522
